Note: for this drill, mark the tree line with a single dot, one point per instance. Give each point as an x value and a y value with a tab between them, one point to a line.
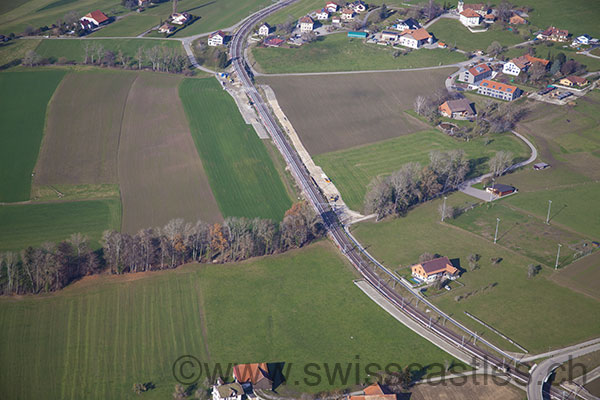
413	184
51	266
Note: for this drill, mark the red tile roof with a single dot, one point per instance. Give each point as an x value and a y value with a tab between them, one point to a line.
98	15
469	13
374	392
498	86
219	32
251	373
578	80
306	20
479	69
438	265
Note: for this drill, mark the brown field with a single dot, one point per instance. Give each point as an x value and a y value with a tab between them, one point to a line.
83	128
335	112
472	388
160	172
582	276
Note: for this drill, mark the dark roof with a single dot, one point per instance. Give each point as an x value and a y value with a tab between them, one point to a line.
460	105
503	188
435	264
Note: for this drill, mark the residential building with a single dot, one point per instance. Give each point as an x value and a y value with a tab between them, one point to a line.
227	391
433	270
583	39
373	392
143	3
273	42
336	20
180	18
479	8
517	20
253	376
519	64
475	74
415	38
409	23
389	36
498	90
500	190
459	109
554	34
95	17
332	7
347	14
167	28
216	38
469	17
306	24
264	30
358	6
573	81
489	18
87	25
322	14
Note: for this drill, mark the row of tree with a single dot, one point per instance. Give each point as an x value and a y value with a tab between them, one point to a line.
413	184
51	267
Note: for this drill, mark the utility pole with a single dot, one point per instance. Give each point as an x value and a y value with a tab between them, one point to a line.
174	6
496	234
557	255
444	208
548	216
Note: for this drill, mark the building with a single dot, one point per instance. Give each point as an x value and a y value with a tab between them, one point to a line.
358	6
500	190
273	42
475	74
573	81
433	270
359	35
97	18
389	36
469	17
554	34
264	30
167	28
227	391
479	8
180	18
373	392
519	64
409	23
461	109
517	20
322	14
332	7
489	18
216	38
415	38
498	90
336	20
583	39
143	3
253	376
540	166
306	24
347	14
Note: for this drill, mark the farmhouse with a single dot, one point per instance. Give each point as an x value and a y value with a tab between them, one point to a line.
573	81
479	8
253	376
322	14
347	14
227	391
373	392
554	34
415	39
216	38
516	65
469	17
517	20
87	25
180	18
389	36
331	6
409	23
306	24
430	271
498	90
273	42
95	17
460	108
500	190
167	28
475	74
264	29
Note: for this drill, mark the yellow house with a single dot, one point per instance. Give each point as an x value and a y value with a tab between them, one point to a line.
430	271
573	81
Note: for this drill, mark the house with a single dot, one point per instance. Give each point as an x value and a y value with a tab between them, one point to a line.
437	268
540	166
500	190
180	18
479	8
306	24
373	392
554	34
415	38
516	19
143	3
332	7
461	108
95	17
489	18
358	6
475	74
347	14
167	28
87	25
336	20
516	65
573	81
322	14
264	29
389	36
273	41
253	376
498	90
227	391
442	45
583	39
216	38
409	23
469	17
359	35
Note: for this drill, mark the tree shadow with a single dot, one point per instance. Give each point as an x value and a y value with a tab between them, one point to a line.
276	372
557	212
506	232
201	6
474	164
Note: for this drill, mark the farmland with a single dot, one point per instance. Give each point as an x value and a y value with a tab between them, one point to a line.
83	129
33	224
339	53
582	276
13	51
453	33
132	25
160	173
240	171
351	170
23	101
99	336
355	109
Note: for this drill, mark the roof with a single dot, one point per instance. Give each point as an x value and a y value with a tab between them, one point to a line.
374	392
503	188
322	11
97	15
265	24
389	33
418	34
474	6
578	80
469	13
306	20
553	31
230	390
498	86
252	373
217	33
479	69
541	165
347	11
460	105
274	41
527	59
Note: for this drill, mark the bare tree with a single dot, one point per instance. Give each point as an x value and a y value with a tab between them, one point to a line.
500	162
495	49
31	58
533	270
139	57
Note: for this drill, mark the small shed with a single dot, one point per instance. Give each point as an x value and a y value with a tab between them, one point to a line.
360	35
500	190
540	166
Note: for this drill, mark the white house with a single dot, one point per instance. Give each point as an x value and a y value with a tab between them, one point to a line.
216	38
358	6
322	14
415	39
264	29
331	7
498	90
167	28
336	20
469	17
347	14
306	24
389	36
407	24
180	18
583	39
519	64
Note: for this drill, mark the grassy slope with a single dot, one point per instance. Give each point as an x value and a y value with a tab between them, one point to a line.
352	170
132	25
453	33
23	102
240	171
527	310
96	338
339	53
32	224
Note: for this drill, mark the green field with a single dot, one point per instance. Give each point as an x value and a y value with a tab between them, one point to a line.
73	49
132	25
339	53
33	224
23	100
13	51
241	173
453	33
351	170
98	337
526	310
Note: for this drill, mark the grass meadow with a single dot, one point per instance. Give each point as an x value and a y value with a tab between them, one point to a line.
131	25
351	170
23	101
13	51
240	171
99	336
339	53
453	33
24	225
